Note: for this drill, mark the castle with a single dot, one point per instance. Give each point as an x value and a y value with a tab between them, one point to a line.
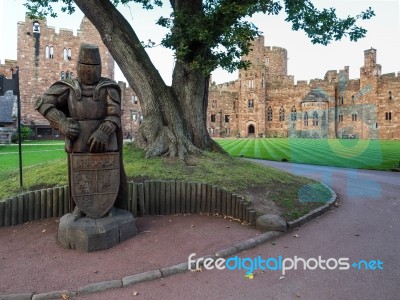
263	102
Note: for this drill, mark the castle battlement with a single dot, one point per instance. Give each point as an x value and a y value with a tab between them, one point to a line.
275	49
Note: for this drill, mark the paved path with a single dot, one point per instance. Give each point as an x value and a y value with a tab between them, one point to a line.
365	226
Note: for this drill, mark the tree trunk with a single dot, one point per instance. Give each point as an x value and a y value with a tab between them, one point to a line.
174	120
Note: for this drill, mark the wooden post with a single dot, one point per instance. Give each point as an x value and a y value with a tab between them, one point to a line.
229	204
67	208
61	199
223	202
219	201
209	197
31	211
55	202
152	198
130	187
20	209
203	205
134	199
193	200
178	197
14	211
37	205
168	197
173	196
49	211
198	197
241	201
7	212
188	197
26	207
43	202
157	205
162	208
147	197
1	213
142	207
213	199
183	197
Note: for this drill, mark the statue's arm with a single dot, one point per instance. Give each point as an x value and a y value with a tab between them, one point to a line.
99	140
52	106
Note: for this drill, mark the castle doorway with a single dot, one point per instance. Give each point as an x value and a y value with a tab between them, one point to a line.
250	131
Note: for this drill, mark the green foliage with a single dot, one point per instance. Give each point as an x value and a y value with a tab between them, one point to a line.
26	133
212	33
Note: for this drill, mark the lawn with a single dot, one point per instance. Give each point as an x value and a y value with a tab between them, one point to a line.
33	153
268	189
359	154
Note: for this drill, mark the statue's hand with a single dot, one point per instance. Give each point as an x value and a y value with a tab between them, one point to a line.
98	141
69	128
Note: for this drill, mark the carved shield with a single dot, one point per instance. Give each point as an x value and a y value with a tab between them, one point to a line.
95	179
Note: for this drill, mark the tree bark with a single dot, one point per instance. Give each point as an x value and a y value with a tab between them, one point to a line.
174	120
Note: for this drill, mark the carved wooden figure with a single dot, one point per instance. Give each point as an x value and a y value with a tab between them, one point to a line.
86	111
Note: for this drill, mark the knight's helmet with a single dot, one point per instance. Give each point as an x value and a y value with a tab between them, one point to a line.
89	64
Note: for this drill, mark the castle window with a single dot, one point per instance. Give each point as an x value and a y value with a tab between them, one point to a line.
250	103
281	114
388	116
262	82
51	55
323	119
71	75
47	52
212	118
65	54
214	104
352	98
315	119
62	75
340	118
376	125
67	75
306	119
267	61
293	115
354	117
251	84
227	118
269	114
69	54
390	95
342	100
134	99
36	27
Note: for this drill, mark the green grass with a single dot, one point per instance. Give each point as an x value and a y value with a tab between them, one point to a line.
33	153
359	154
257	183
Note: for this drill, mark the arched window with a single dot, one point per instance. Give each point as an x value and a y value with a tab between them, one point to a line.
51	52
293	115
69	54
71	75
62	75
65	54
281	114
67	75
306	119
47	52
250	103
269	114
315	119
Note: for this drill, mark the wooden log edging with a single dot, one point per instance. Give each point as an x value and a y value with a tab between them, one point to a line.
148	198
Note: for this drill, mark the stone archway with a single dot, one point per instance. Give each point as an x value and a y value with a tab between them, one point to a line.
251	130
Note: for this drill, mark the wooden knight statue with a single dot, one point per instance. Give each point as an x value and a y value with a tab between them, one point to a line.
86	110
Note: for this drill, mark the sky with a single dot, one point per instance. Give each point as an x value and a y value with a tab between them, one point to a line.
305	60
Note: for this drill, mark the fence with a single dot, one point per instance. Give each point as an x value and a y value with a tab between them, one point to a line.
148	198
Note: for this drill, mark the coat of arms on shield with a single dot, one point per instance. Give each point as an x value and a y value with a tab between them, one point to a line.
94	181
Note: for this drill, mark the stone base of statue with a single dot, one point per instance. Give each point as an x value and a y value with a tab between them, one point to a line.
87	234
